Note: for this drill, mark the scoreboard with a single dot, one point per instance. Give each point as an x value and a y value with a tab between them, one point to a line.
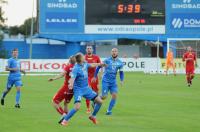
102	16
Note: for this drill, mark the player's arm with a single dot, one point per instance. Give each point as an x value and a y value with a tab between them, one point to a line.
195	60
73	77
97	64
121	75
61	75
11	69
184	58
71	83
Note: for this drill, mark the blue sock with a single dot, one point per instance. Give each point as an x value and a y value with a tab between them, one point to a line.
112	104
96	109
18	97
70	114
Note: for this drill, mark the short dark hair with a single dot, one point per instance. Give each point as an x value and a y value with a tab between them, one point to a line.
78	57
15	49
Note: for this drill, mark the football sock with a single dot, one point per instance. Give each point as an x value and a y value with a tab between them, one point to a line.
70	114
4	95
111	105
88	104
188	79
18	97
60	110
192	77
96	109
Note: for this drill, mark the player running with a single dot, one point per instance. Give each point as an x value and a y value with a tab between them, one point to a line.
92	81
109	82
170	62
64	93
79	83
191	61
14	77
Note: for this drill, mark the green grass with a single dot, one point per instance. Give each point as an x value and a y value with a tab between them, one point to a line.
146	103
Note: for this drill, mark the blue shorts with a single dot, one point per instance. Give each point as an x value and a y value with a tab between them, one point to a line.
10	83
87	93
107	86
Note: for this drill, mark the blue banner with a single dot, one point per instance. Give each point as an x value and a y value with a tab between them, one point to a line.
183	16
61	16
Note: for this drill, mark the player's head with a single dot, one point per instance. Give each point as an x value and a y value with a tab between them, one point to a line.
114	52
189	49
72	59
89	49
15	53
80	58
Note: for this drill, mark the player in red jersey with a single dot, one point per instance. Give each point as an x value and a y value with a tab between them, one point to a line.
191	61
63	93
92	81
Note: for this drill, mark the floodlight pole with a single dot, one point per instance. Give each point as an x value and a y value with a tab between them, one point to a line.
31	33
158	58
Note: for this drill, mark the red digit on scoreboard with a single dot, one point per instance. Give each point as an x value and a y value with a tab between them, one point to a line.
130	8
137	8
120	8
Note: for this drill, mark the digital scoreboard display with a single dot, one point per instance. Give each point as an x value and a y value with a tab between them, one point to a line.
102	16
125	12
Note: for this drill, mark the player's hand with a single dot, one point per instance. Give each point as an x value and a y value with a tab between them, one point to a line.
70	86
23	71
50	79
103	65
94	79
121	83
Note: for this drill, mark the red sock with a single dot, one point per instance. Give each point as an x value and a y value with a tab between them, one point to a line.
192	77
188	79
88	104
60	110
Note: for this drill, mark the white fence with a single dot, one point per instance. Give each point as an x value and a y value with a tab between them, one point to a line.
147	65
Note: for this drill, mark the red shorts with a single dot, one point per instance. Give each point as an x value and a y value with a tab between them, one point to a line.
190	70
93	85
63	94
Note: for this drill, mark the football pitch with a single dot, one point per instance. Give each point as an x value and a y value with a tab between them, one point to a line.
146	103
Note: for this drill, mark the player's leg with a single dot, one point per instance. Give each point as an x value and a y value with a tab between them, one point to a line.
88	111
68	98
9	85
92	95
191	76
18	85
95	88
188	79
105	90
113	91
77	105
174	68
167	68
57	99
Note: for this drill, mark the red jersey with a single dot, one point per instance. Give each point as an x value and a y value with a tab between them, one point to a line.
92	59
192	58
68	69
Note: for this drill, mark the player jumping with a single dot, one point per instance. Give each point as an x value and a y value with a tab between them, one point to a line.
79	83
64	93
92	81
109	82
14	77
170	62
191	61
